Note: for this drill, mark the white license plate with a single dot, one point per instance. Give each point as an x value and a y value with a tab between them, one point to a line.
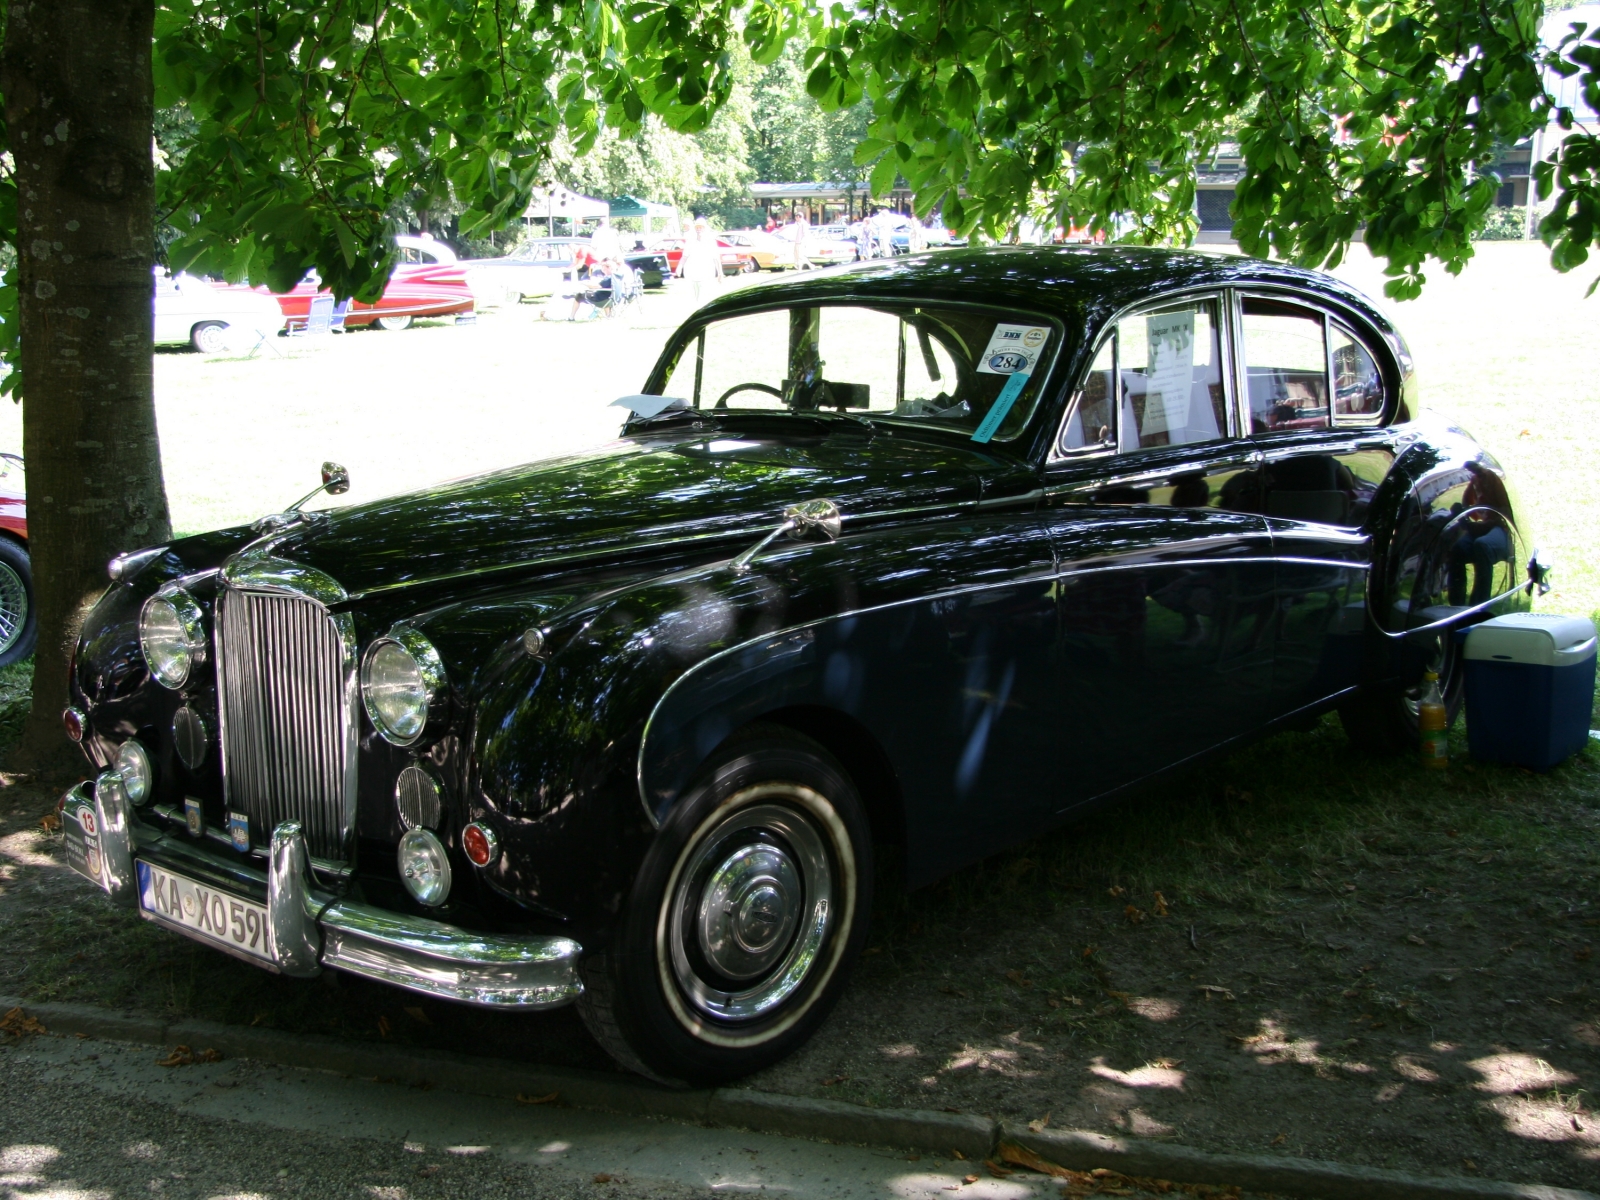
204	912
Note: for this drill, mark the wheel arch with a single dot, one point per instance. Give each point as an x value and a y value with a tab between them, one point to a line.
862	757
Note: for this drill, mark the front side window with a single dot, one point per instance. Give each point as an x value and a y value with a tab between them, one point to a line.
1286	366
974	372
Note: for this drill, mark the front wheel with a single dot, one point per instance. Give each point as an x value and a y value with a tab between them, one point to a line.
394	323
19	623
209	337
749	910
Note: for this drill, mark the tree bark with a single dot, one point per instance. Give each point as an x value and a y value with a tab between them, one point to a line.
78	104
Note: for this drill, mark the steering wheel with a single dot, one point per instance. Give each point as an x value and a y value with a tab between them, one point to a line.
722	400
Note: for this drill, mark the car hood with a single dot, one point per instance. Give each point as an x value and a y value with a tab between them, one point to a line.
697	497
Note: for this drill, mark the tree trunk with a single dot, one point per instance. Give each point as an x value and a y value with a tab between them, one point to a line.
78	96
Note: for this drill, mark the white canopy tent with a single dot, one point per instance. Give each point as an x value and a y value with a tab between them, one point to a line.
562	203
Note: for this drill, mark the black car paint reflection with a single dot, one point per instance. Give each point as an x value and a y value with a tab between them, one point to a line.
1003	637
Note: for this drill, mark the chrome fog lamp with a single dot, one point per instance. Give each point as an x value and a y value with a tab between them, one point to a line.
172	635
424	867
133	764
402	685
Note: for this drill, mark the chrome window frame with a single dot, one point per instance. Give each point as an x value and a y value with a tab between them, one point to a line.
1330	317
1225	343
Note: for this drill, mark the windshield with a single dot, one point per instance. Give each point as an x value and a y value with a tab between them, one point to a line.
974	371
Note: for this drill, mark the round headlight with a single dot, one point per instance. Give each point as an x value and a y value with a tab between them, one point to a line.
424	867
402	685
172	635
133	764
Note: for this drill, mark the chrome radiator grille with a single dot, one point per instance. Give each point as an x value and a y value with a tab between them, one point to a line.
281	672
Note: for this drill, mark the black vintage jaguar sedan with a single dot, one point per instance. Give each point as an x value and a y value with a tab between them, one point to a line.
939	551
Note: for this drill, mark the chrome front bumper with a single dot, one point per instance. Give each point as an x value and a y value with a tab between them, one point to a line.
309	929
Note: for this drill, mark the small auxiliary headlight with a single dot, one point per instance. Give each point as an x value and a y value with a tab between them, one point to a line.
402	685
133	764
424	867
172	636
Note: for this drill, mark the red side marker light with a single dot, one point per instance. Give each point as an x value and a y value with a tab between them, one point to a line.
73	720
480	844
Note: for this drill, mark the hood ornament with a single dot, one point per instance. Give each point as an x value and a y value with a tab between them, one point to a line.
335	481
799	520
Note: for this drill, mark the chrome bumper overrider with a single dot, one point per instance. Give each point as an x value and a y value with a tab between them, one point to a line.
309	929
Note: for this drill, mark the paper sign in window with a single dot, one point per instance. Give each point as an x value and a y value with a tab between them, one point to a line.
1170	373
1013	348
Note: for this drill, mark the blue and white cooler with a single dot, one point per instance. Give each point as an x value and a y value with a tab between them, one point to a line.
1530	688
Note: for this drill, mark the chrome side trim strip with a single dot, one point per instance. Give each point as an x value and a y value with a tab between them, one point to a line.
488	970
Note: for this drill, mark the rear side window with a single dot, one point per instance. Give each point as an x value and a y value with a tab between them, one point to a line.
1286	366
1357	384
1170	365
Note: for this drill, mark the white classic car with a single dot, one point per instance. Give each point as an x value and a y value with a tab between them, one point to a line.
212	317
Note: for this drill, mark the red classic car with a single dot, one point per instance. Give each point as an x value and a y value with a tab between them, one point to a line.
428	282
735	259
19	628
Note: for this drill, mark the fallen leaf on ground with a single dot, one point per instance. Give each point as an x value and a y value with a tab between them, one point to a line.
969	1179
416	1014
182	1056
1161	905
1116	892
1038	1125
1090	951
1021	1156
834	1080
1134	915
1280	1139
1486	860
50	822
956	1154
996	1169
602	1178
1415	940
953	991
1016	977
1208	990
17	1023
550	1099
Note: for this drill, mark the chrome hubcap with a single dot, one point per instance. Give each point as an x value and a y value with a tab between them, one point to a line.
13	607
751	910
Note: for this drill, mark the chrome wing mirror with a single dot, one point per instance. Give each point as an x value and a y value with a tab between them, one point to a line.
335	481
799	521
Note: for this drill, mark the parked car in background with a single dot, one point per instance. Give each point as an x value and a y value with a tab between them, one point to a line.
542	267
19	625
736	260
211	316
770	253
831	245
428	281
935	552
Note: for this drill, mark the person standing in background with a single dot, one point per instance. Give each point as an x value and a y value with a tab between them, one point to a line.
701	264
799	230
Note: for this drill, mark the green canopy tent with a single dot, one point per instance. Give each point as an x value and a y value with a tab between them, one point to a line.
647	211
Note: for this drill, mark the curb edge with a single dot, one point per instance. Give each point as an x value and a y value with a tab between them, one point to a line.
789	1116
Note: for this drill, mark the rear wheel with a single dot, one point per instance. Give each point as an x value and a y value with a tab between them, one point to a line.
19	627
209	337
744	920
1384	721
395	323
